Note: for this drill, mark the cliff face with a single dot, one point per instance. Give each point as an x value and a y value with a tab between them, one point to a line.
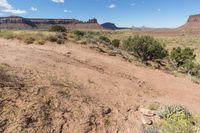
16	22
193	24
194	18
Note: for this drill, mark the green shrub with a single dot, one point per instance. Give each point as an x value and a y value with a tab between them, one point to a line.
58	28
192	68
61	36
41	42
168	111
29	40
79	33
58	38
83	42
52	38
116	43
145	48
60	41
177	119
177	123
105	39
182	56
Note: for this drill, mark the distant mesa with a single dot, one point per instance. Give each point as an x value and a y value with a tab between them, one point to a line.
17	22
110	26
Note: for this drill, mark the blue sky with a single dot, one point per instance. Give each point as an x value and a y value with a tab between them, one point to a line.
126	13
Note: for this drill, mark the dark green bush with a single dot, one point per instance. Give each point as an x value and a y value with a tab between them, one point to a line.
79	33
105	39
192	68
145	48
182	56
41	42
58	28
52	38
58	38
116	43
29	40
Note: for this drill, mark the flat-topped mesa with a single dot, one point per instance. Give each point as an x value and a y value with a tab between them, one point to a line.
17	22
192	25
194	18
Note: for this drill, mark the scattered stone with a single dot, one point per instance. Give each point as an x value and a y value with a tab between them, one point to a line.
69	53
146	120
136	107
147	112
112	53
106	110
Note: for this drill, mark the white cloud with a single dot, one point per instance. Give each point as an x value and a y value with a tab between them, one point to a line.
14	11
67	11
34	9
7	8
58	1
112	6
158	10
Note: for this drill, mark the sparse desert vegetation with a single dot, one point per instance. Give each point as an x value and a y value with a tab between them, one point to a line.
137	48
133	68
182	58
77	93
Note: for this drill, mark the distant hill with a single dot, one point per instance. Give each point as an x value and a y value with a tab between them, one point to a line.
110	26
17	22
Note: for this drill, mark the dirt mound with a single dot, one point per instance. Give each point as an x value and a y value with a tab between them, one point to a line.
71	88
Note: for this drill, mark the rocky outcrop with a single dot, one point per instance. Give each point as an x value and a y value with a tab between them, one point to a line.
194	18
94	21
17	22
192	25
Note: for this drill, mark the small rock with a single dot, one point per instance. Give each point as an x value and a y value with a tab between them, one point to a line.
112	53
69	53
147	112
146	120
136	107
106	110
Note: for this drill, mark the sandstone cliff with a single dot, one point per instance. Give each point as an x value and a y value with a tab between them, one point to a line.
16	22
192	25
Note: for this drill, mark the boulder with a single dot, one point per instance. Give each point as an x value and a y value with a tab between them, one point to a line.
145	120
147	112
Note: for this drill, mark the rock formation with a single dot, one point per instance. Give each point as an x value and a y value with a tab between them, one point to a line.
192	25
17	22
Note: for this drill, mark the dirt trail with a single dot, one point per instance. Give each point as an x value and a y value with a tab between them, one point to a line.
100	80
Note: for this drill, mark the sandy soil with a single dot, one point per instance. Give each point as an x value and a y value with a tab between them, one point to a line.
73	89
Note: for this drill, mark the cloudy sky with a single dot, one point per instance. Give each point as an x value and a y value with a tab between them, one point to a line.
151	13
